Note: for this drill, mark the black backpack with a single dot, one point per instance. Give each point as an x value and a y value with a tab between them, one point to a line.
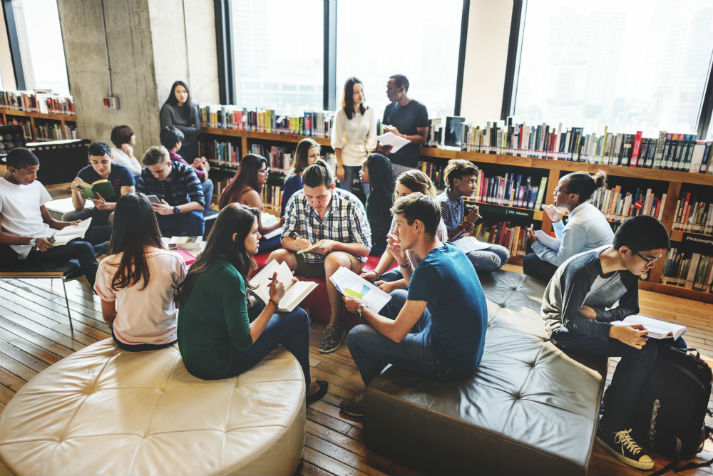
669	417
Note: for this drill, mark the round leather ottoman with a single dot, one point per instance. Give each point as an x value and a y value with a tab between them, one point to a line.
104	411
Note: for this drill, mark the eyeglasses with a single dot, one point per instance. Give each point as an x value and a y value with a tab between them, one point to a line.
649	261
559	190
264	171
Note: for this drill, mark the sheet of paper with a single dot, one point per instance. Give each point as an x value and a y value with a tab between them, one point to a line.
66	234
350	284
469	243
547	240
396	142
276	232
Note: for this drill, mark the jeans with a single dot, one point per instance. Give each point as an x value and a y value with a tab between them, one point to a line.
533	266
289	329
182	224
393	275
75	249
372	351
350	173
207	186
489	259
269	244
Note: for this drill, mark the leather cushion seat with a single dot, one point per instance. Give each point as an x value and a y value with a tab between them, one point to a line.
528	409
104	411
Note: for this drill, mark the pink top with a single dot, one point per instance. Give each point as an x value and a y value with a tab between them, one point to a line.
148	315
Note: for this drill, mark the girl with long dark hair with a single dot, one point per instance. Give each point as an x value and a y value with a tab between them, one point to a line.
306	154
376	172
136	282
178	111
218	336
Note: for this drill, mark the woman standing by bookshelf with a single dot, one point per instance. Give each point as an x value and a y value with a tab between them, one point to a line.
306	154
246	187
178	111
353	135
376	172
220	334
587	228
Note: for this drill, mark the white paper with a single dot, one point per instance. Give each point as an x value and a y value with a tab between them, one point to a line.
352	285
396	142
469	243
547	240
261	280
68	233
656	329
275	232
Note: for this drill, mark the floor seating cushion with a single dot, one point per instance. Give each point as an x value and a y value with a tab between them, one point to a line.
103	411
528	409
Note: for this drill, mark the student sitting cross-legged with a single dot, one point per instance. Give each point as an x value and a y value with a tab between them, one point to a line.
587	293
180	208
334	220
26	227
220	334
172	139
100	167
137	280
437	327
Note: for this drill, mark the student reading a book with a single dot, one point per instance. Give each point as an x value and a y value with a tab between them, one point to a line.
120	182
436	328
378	203
306	153
587	228
353	135
246	187
325	228
219	334
180	113
411	181
122	153
461	177
406	118
179	209
26	227
136	282
586	294
171	139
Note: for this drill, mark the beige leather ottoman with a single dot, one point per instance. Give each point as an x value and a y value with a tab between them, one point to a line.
103	411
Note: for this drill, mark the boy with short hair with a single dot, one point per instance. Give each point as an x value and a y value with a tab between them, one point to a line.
586	294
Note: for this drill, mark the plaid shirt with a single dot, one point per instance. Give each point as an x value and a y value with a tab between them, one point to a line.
452	209
345	222
184	185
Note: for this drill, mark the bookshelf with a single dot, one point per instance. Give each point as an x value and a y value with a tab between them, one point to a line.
39	127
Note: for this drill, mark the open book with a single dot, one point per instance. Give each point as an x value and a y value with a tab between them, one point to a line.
102	187
655	328
295	291
350	284
396	142
68	233
310	247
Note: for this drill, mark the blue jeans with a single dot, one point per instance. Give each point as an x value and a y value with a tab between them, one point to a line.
533	266
182	224
289	329
393	275
82	251
207	186
489	259
372	351
351	172
269	244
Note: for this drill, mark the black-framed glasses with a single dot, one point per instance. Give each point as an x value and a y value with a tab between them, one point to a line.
558	190
649	261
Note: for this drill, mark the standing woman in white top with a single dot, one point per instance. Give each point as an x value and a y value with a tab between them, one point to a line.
137	281
122	153
353	135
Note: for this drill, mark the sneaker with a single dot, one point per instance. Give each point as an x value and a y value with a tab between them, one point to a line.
331	340
624	448
353	406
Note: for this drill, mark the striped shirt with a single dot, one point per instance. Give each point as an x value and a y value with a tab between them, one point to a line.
344	222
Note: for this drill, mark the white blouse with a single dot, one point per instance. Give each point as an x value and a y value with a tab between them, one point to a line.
356	136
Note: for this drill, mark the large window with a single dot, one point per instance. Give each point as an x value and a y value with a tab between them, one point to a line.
417	38
631	65
278	50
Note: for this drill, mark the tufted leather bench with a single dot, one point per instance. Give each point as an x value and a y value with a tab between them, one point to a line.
529	408
103	411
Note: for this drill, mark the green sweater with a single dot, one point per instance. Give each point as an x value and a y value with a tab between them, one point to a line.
213	324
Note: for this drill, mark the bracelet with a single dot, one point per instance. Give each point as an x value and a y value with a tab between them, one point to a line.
274	304
405	265
378	274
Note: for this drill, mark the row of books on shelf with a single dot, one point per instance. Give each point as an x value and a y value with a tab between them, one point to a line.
272	196
617	205
688	270
673	151
693	215
311	124
54	131
37	101
279	158
23	123
514	238
222	153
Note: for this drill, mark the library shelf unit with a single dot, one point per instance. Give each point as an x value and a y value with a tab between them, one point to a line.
36	122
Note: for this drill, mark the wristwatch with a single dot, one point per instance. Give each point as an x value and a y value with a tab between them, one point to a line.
33	242
359	310
176	210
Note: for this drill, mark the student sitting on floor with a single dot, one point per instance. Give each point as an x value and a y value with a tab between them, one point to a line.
585	295
376	173
245	187
100	167
461	177
586	229
26	227
437	327
219	334
171	139
306	154
335	221
137	280
122	153
180	208
411	181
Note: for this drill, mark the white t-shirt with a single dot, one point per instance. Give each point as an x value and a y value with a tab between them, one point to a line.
20	212
356	136
118	156
144	315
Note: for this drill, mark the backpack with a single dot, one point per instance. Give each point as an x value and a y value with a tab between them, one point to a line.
669	415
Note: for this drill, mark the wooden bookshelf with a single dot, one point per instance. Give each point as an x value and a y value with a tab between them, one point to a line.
9	114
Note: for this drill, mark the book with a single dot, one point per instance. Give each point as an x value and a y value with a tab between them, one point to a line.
188	243
350	284
295	291
187	257
101	187
68	233
655	328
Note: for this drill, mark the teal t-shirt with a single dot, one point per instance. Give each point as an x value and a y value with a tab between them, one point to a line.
213	323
